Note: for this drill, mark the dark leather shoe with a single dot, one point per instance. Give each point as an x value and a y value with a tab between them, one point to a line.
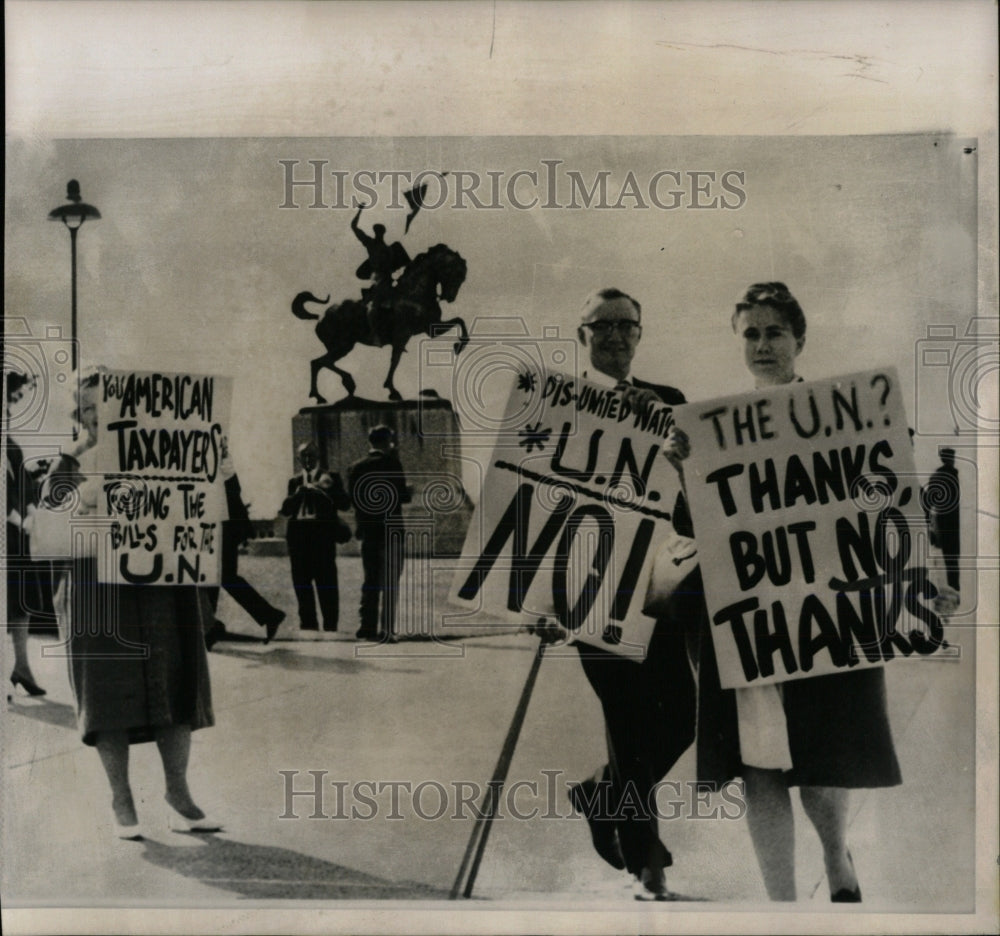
603	834
214	634
271	626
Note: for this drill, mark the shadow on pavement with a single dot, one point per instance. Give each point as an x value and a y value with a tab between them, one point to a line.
674	897
239	637
44	710
297	661
271	873
293	660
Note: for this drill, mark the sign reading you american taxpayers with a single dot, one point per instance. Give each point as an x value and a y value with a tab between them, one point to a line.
576	500
160	452
805	507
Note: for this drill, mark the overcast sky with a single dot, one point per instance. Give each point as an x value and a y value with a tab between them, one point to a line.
194	263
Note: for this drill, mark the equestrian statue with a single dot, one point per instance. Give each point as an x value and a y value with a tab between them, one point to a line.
390	312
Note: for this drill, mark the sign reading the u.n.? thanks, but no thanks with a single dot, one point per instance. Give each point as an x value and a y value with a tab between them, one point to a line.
161	445
576	501
811	540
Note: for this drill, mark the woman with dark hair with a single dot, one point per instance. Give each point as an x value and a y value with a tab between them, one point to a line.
137	661
825	734
19	566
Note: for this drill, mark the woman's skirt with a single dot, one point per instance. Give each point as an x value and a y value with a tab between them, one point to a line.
19	569
837	726
137	659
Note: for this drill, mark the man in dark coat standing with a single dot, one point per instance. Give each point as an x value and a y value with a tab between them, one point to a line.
314	497
942	502
649	706
378	490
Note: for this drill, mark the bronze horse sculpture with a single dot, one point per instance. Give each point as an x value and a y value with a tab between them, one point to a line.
414	310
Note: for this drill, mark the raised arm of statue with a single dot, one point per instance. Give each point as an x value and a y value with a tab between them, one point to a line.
358	233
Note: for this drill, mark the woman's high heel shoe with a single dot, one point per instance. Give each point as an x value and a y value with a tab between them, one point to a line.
846	894
26	683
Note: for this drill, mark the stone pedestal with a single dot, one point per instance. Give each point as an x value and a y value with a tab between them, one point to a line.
429	448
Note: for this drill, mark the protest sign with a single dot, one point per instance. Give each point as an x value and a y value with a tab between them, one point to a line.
580	498
812	544
161	445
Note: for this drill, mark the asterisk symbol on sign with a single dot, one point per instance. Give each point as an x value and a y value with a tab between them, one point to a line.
527	381
534	437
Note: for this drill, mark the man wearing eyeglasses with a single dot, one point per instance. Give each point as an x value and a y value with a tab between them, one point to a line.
649	707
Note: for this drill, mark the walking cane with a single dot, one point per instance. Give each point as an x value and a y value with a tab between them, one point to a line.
484	820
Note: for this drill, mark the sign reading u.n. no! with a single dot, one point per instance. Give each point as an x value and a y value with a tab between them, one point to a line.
811	540
576	500
161	444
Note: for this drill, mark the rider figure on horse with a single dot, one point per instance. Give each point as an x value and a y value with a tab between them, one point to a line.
383	261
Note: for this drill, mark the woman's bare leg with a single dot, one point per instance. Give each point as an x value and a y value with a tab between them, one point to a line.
112	747
772	829
19	638
826	808
174	743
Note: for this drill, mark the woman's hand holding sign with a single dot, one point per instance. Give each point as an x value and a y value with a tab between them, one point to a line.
677	448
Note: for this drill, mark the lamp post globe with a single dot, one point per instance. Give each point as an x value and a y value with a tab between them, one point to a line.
73	215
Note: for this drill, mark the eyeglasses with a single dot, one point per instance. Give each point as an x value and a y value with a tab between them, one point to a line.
602	327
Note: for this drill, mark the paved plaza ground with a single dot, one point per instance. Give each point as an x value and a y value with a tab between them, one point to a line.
433	714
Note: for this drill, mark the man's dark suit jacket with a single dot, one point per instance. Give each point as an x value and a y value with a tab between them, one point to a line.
323	503
649	712
673	397
364	479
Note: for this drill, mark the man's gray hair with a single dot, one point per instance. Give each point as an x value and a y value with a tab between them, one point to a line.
609	294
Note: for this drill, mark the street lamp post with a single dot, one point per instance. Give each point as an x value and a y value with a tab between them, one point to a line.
73	215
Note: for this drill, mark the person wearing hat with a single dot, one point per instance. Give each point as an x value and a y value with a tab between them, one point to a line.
314	497
378	490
